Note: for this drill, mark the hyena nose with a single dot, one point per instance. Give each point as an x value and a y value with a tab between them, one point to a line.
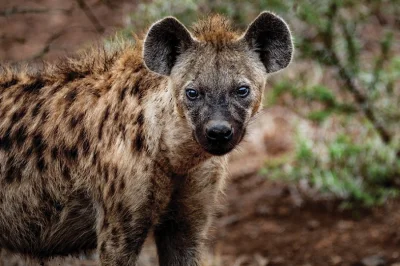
219	131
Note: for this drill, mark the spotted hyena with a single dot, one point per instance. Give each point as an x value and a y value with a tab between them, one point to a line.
99	150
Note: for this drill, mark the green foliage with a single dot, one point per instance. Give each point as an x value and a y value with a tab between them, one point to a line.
328	103
362	173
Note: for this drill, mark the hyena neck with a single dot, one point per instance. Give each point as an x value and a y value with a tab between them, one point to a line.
137	118
175	148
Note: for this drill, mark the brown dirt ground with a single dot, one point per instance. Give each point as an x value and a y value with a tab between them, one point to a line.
62	29
262	220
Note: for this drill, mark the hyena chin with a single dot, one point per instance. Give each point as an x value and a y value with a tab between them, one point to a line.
100	150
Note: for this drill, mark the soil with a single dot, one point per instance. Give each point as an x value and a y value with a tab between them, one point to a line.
48	29
262	220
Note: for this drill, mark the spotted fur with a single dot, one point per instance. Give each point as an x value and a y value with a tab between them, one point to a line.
97	151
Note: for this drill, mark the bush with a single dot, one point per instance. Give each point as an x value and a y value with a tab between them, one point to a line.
348	168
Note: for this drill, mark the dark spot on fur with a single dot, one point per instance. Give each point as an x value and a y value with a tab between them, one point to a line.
122	185
24	207
119	207
18	96
103	247
9	83
34	87
34	228
123	93
85	147
58	206
18	115
54	89
38	145
126	214
104	119
29	151
36	108
66	174
71	153
85	142
3	111
54	153
105	172
41	165
75	212
20	135
135	88
105	224
71	96
47	212
116	116
44	116
73	75
13	174
140	119
5	141
139	142
111	191
115	242
75	120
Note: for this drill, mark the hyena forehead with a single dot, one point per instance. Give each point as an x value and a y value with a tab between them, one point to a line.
208	66
267	40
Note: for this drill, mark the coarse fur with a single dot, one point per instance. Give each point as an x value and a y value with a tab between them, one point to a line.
97	151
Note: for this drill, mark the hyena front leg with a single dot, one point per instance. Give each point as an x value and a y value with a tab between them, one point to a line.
182	230
131	207
125	218
122	235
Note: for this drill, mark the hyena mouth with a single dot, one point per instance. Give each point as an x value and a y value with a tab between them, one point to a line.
218	148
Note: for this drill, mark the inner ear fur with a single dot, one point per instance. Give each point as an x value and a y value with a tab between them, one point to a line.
165	41
270	37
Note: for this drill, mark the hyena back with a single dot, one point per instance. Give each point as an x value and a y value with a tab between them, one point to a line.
98	151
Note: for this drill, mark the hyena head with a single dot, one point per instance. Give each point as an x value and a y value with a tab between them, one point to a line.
217	75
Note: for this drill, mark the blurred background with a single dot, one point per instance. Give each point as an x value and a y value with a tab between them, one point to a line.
316	182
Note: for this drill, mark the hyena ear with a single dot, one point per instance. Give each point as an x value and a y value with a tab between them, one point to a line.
270	37
165	41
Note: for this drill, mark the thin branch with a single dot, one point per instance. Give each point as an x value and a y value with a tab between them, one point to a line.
332	59
383	57
88	12
360	98
49	42
352	50
23	11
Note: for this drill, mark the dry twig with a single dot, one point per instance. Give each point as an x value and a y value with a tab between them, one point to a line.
47	45
88	12
23	11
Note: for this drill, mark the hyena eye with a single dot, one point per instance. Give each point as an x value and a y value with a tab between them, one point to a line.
192	94
243	91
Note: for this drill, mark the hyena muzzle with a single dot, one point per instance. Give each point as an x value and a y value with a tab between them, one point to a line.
100	150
